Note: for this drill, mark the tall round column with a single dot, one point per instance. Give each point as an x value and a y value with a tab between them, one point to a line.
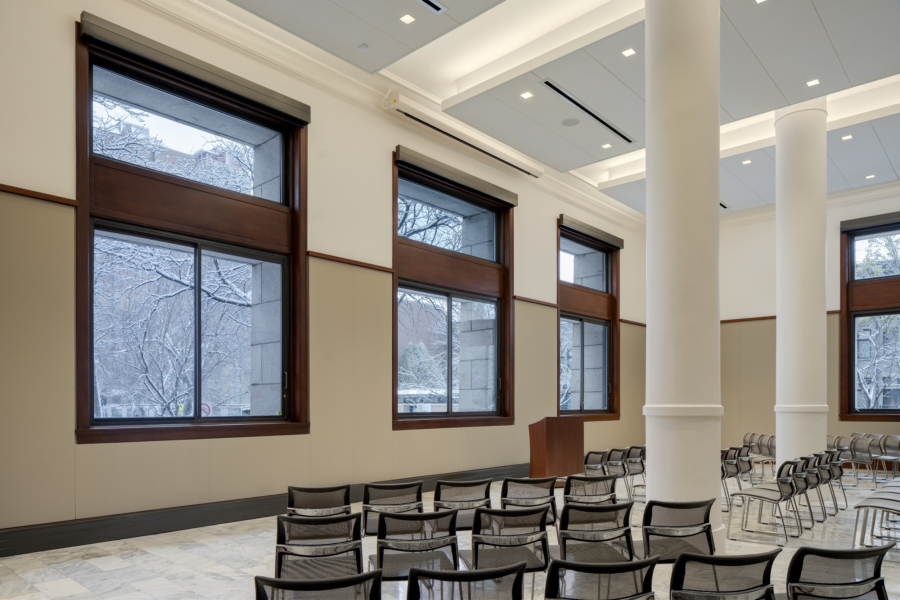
683	407
801	178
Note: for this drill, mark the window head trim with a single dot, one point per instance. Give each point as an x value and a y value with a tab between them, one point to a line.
583	230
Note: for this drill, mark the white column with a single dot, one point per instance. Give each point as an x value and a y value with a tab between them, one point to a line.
801	178
683	407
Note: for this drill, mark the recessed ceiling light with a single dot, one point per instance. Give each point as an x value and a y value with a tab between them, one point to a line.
847	137
570	122
407	19
629	52
870	177
746	162
527	95
362	47
606	146
812	83
760	1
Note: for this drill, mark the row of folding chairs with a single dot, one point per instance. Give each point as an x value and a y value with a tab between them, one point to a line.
869	451
878	516
813	573
821	473
624	463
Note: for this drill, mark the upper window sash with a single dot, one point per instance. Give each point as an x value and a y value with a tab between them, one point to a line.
875	254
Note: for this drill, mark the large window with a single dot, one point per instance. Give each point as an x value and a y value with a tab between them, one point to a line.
452	277
870	319
587	297
190	253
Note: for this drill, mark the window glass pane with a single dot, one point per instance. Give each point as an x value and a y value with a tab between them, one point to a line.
431	217
582	265
474	356
877	255
139	124
241	324
595	372
143	328
422	349
877	362
569	364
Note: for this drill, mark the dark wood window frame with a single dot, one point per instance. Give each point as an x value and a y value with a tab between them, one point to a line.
122	193
583	302
419	263
859	298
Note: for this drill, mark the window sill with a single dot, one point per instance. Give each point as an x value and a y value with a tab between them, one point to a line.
592	416
111	434
451	422
870	416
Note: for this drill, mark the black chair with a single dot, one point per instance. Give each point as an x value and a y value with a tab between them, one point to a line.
599	533
614	464
673	528
815	573
319	501
529	492
807	466
584	489
318	547
837	473
634	462
355	587
730	470
415	540
742	577
389	498
781	492
485	584
593	463
464	497
610	581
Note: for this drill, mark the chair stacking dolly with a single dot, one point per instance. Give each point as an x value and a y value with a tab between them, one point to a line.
530	492
484	584
615	464
319	502
464	497
389	498
816	573
593	463
505	537
610	581
595	533
634	462
723	577
774	495
318	547
365	586
672	528
582	489
415	540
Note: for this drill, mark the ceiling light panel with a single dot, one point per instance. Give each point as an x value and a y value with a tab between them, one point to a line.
407	19
812	83
629	52
846	137
526	95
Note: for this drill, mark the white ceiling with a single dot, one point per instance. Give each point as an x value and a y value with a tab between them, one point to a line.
874	149
366	33
770	50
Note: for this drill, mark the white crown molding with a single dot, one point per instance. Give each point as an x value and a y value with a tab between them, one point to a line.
224	30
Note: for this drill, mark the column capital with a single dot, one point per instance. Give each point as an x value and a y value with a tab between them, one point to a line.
683	410
816	104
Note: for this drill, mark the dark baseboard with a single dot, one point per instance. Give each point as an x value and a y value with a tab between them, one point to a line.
80	532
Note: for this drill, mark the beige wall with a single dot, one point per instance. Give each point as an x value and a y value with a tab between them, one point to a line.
748	382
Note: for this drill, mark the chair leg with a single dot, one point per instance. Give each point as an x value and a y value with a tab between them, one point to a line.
783	526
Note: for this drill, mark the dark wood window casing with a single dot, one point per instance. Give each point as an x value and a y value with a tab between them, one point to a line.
579	301
858	298
419	263
118	192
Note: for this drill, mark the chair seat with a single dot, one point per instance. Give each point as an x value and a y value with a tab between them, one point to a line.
760	492
397	565
490	558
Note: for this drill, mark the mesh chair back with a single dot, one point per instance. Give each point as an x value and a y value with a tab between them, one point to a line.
754	443
465	497
389	497
672	528
876	444
320	501
747	437
615	462
746	577
414	540
835	464
581	489
634	459
730	467
815	572
528	492
504	583
859	448
596	534
613	581
762	445
892	445
830	442
770	448
505	537
843	445
593	462
318	547
824	467
356	587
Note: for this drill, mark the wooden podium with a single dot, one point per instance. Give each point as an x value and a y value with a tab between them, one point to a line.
557	447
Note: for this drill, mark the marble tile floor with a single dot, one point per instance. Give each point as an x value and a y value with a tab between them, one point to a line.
219	562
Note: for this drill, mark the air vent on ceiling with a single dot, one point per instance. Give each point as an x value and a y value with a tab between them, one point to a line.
572	99
433	6
723	206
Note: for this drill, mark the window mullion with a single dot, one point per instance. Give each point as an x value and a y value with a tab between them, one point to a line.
449	354
583	363
197	330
